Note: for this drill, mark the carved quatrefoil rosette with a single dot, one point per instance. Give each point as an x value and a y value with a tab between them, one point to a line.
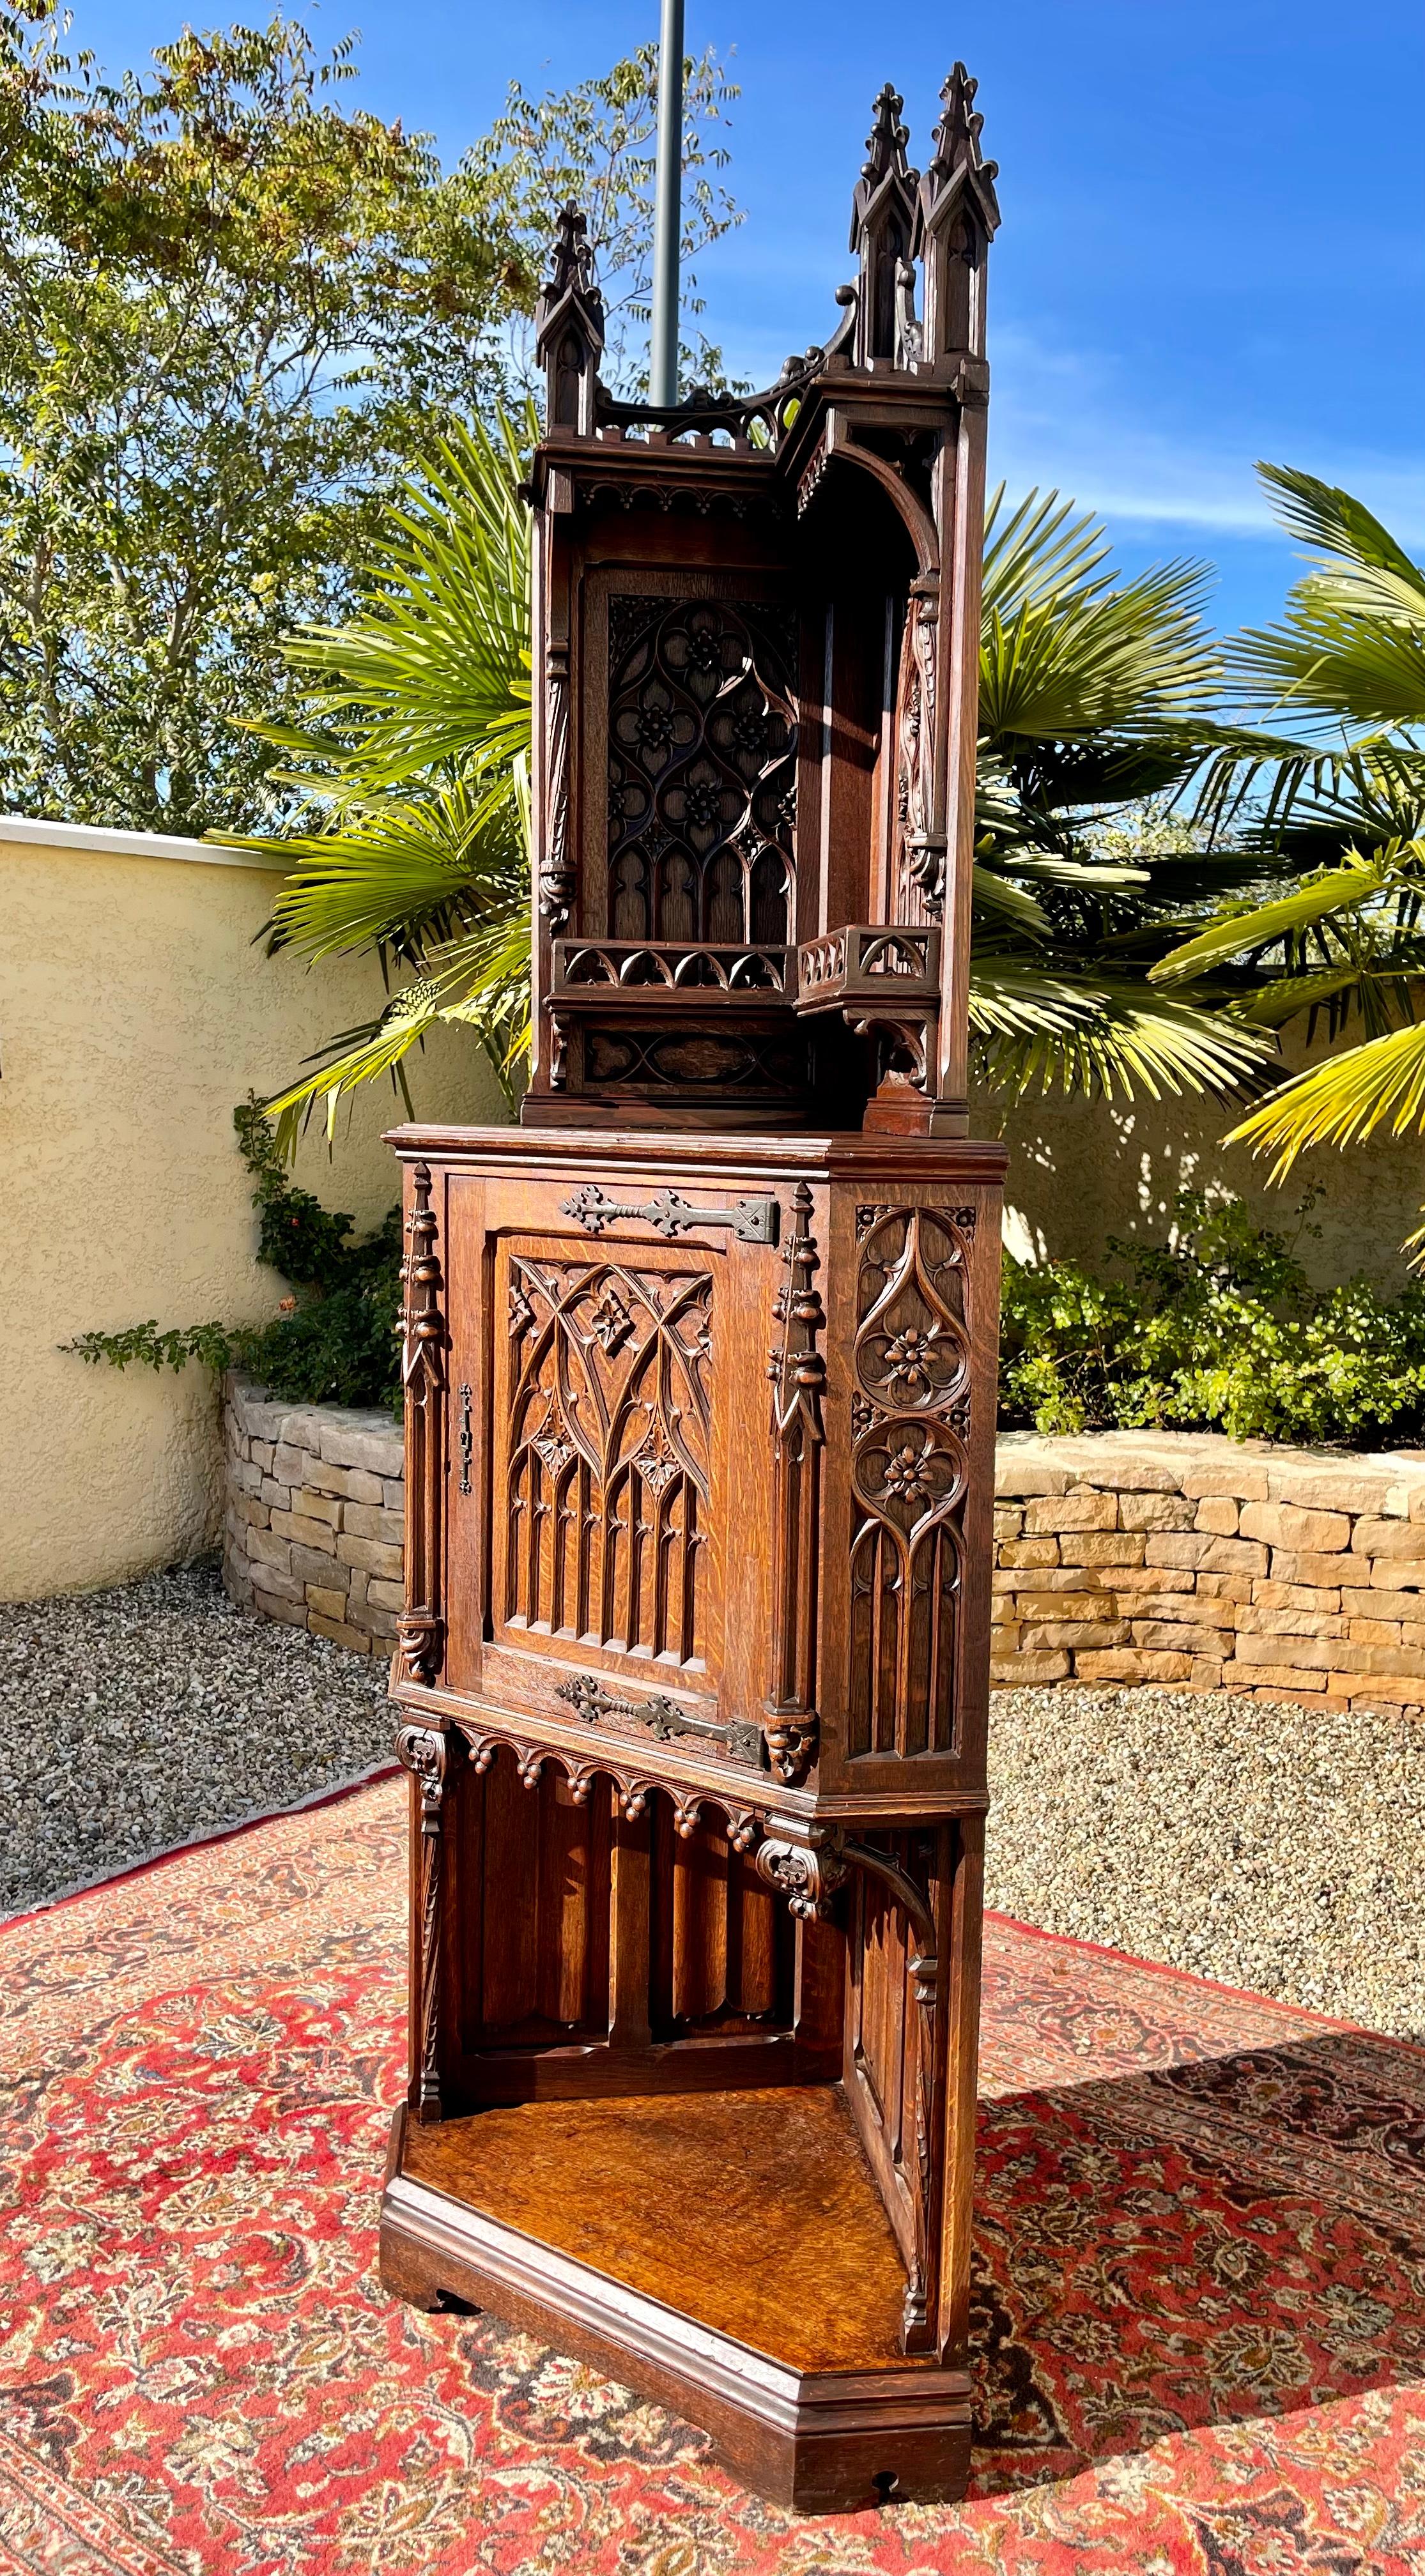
907	1470
912	1346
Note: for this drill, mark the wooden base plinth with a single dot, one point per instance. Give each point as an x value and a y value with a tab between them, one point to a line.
726	2254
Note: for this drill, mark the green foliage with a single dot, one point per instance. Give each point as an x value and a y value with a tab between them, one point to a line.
419	750
229	310
1215	1330
1096	702
1339	803
234	309
595	146
335	1345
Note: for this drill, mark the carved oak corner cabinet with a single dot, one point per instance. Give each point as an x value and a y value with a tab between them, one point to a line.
700	1404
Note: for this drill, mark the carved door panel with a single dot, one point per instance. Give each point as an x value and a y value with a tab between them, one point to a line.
611	1444
895	2049
603	1454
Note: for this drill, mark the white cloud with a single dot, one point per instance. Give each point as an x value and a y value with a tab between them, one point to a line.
1068	420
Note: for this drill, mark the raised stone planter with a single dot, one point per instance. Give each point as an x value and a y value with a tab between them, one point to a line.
1210	1563
314	1519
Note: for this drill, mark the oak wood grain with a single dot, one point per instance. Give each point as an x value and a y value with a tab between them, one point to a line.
754	2213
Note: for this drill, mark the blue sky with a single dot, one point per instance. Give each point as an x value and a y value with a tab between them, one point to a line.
1213	245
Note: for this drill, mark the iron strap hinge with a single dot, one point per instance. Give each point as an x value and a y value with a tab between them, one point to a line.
751	1220
663	1717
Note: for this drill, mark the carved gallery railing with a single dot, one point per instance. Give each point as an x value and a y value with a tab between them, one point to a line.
625	970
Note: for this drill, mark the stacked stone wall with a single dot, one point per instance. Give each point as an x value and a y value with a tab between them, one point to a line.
314	1522
1120	1557
1211	1564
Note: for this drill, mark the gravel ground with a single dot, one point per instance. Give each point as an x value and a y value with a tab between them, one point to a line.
1269	1846
152	1714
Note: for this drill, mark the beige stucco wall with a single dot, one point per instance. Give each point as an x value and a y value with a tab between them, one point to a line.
134	1013
1082	1170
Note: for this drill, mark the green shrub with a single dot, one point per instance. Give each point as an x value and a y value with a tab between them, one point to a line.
334	1342
1217	1330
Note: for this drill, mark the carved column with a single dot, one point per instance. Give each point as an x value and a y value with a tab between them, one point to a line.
420	1649
798	1373
423	1751
957	215
556	875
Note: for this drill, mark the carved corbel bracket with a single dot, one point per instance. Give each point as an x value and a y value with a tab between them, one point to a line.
792	1744
422	1750
420	1646
804	1864
903	1038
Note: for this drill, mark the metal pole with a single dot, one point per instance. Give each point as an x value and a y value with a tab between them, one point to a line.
667	209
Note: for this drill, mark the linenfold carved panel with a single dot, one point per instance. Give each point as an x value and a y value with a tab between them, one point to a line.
910	1422
605	1467
702	770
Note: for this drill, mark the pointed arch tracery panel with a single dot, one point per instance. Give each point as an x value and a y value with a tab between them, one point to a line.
702	749
910	1415
602	1454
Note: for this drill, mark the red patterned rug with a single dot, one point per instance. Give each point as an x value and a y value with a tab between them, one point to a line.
1201	2311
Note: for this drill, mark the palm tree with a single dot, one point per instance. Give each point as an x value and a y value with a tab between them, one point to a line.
416	763
1095	695
1096	707
1344	809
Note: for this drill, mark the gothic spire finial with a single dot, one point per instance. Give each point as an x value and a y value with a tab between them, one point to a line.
569	326
886	142
882	218
957	142
957	217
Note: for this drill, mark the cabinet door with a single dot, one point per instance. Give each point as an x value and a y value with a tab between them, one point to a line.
604	1451
607	1552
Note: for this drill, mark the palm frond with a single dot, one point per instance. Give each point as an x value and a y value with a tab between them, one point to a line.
1007	902
1343	529
1351	647
437	666
1239	934
403	870
1040	550
1106	1036
481	980
1342	1101
1013	998
1271	1006
1068	652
